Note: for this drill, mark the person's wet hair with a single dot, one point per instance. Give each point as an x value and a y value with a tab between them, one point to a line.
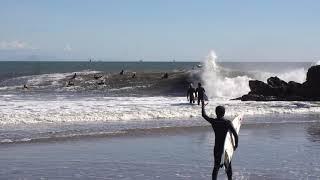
199	84
220	111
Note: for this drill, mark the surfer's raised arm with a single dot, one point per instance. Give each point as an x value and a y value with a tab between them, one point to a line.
235	135
204	115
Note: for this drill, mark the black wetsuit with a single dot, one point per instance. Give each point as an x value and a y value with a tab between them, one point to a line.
220	128
74	76
190	94
200	91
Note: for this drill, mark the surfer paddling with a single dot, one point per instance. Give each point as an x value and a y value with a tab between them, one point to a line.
220	127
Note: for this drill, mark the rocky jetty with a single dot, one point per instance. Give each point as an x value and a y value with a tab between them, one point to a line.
278	90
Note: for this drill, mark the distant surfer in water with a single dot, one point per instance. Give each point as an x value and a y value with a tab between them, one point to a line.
220	127
101	82
96	76
190	94
165	76
70	83
122	72
200	94
74	76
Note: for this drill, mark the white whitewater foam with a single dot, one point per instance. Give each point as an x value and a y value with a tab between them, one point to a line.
297	75
44	80
24	120
221	86
6	141
218	86
54	78
51	79
127	109
128	87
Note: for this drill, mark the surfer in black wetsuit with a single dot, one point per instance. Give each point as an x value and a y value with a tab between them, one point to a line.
165	76
190	94
200	93
220	127
133	75
74	76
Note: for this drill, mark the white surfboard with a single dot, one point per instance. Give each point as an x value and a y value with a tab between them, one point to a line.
229	142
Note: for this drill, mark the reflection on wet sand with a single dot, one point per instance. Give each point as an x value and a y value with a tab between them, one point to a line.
313	132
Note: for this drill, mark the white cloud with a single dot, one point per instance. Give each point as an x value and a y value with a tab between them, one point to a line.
12	45
67	48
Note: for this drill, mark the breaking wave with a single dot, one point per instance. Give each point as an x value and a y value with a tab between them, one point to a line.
219	82
224	83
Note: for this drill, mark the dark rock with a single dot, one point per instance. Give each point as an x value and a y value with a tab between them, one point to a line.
259	87
276	82
313	76
278	90
279	86
292	84
312	85
294	88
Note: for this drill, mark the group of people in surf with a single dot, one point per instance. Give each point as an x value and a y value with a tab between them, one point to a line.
101	82
133	74
164	76
198	93
220	126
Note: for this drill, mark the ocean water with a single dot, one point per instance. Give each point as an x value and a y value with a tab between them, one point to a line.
49	109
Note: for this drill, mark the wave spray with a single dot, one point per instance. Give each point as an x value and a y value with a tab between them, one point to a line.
222	86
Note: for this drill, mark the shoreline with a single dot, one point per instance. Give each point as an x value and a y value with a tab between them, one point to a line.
266	151
198	124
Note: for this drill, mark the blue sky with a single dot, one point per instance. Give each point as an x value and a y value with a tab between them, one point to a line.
160	30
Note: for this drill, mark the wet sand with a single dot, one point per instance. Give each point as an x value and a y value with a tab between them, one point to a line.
266	151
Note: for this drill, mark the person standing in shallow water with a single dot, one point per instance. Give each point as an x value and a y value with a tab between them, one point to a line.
200	94
220	127
190	94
